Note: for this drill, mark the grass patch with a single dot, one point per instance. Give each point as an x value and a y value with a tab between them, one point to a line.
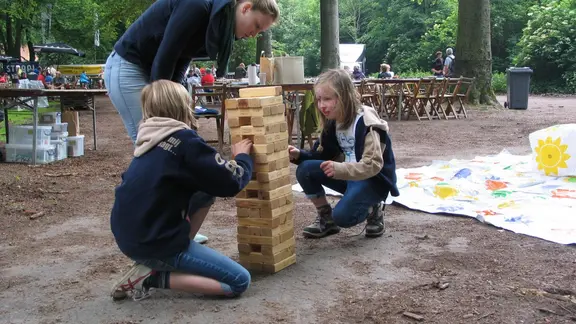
25	117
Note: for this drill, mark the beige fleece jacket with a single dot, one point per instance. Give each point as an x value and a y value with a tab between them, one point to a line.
153	130
372	161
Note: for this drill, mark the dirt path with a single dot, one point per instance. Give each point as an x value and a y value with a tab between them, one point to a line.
58	268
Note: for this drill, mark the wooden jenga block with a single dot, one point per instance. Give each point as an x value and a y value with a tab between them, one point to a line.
269	268
262	194
273	175
246	103
277	109
262	130
266	240
281	163
277	146
276	183
271	222
260	92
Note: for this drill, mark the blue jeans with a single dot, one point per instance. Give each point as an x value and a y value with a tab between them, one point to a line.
358	196
202	261
125	81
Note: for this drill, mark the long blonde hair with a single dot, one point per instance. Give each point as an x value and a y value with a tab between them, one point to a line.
164	98
266	7
340	82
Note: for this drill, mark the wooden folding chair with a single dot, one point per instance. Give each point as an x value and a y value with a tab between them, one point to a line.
197	92
449	96
418	98
466	85
390	93
437	98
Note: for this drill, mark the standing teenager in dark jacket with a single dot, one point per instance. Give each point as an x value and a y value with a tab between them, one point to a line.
353	157
167	36
171	165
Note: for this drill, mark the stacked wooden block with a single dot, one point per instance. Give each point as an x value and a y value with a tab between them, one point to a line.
265	207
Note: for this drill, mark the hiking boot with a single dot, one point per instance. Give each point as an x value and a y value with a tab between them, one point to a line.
375	221
323	225
132	281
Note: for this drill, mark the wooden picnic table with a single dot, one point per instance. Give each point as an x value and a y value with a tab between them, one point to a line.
28	98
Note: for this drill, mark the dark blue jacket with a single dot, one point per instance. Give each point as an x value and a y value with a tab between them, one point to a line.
170	33
148	216
331	151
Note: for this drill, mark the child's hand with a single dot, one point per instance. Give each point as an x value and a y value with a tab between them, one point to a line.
328	168
243	146
293	152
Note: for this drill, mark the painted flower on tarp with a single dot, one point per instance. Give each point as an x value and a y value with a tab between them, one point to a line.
551	155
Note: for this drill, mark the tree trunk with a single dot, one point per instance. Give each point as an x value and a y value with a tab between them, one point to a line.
18	40
330	38
474	50
264	44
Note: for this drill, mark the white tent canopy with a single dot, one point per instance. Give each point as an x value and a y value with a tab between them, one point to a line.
352	54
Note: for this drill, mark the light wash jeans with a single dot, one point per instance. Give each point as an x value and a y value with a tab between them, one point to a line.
203	261
358	196
125	81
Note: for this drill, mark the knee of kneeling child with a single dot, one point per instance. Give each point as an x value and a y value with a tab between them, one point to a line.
344	220
241	283
302	170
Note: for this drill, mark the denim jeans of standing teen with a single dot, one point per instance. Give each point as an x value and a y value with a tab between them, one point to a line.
125	81
201	260
358	196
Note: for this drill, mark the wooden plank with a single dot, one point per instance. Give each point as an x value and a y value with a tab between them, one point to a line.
266	120
231	104
270	138
272	166
267	222
266	249
259	111
264	231
255	257
269	129
276	183
267	194
260	92
268	268
273	175
264	204
264	240
265	158
245	103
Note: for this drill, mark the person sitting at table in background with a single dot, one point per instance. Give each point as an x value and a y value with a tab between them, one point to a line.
59	81
84	81
357	74
385	72
48	80
190	28
240	72
3	77
208	80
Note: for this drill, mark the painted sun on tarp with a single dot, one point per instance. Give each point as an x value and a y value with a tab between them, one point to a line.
503	190
554	150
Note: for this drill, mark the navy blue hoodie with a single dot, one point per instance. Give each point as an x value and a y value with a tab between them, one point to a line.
171	163
170	33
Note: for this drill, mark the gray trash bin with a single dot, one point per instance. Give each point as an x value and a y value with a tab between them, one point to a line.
518	82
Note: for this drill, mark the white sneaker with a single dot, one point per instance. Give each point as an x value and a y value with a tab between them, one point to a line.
132	281
199	238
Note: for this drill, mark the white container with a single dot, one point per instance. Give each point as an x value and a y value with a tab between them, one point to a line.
252	78
262	78
22	134
59	127
61	149
22	153
75	145
54	136
50	118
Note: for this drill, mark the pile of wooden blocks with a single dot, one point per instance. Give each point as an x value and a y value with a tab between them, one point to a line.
265	207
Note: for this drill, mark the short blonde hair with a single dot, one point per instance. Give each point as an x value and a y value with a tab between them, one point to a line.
164	98
267	7
340	82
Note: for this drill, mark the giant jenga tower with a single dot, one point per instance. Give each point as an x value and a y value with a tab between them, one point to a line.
265	207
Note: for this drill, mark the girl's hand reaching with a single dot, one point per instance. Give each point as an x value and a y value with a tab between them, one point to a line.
293	152
328	168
